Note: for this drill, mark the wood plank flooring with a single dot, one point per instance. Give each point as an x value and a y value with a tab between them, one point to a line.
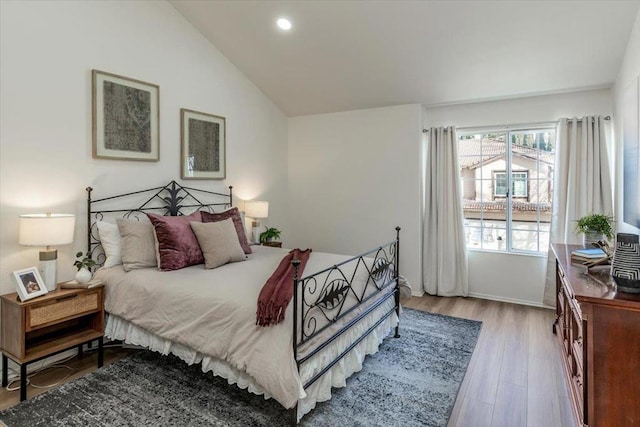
514	378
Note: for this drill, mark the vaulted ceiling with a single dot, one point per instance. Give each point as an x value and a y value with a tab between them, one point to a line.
346	55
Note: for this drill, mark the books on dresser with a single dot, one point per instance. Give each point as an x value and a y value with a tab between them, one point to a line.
592	253
590	258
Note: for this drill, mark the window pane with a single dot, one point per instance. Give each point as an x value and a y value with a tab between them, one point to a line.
478	155
501	184
522	240
473	233
488	191
532	174
494	235
519	184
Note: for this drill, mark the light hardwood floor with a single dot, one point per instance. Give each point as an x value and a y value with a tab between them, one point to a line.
514	377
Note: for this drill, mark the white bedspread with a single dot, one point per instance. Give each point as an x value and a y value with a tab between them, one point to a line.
213	312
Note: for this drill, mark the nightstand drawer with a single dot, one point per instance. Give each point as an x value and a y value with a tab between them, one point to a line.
61	308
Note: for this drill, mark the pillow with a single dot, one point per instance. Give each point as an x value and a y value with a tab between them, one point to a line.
110	240
234	214
137	244
219	242
177	245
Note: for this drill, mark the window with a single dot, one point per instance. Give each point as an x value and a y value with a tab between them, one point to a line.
507	186
519	184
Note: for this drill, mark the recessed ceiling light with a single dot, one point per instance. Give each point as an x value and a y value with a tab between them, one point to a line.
284	24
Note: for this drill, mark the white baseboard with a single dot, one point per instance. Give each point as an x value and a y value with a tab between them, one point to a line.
509	300
420	293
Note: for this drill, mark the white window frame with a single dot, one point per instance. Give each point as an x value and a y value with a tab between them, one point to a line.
508	131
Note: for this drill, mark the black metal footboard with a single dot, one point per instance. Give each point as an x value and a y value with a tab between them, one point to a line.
330	295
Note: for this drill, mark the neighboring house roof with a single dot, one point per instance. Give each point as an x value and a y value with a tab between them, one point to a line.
475	152
501	205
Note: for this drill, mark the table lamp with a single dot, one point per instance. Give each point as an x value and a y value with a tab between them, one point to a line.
256	209
47	230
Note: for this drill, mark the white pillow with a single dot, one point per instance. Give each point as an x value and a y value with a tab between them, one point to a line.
137	244
110	240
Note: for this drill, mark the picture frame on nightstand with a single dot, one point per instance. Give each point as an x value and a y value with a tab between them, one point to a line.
29	283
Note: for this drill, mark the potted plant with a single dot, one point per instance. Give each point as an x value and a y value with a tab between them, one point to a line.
595	227
84	266
269	235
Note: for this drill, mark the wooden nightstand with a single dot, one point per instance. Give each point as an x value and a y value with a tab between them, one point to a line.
273	244
41	327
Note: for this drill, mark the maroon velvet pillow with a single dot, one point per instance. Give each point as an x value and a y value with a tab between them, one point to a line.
177	245
233	213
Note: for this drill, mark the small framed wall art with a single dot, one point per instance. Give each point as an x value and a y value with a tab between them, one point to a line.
29	284
126	121
203	138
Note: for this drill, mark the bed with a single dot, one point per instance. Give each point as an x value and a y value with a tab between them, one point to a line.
341	310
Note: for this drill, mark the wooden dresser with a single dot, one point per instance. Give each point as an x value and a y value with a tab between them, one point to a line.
599	334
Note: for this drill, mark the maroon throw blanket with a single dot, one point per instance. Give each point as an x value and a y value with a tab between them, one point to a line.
278	290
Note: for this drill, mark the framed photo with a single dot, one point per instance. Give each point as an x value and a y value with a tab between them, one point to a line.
29	284
203	138
126	121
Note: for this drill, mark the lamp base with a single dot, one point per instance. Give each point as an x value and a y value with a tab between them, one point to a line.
256	235
47	269
256	232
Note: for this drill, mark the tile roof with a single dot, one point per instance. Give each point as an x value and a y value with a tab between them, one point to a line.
474	152
501	205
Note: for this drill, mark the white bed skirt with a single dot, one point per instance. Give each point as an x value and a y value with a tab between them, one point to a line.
120	329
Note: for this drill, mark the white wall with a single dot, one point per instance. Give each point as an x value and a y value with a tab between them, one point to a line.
629	71
48	50
353	177
545	108
515	278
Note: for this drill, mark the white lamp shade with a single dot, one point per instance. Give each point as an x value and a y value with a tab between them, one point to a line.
46	229
256	209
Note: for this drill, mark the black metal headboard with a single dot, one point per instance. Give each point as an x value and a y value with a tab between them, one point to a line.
172	200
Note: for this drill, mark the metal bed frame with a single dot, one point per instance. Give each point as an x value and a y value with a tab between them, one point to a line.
322	296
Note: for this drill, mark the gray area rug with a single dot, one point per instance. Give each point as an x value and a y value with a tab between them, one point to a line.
412	381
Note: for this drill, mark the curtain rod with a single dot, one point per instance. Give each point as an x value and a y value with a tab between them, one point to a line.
605	117
517	125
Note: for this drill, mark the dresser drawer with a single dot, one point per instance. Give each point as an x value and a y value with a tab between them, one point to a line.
68	306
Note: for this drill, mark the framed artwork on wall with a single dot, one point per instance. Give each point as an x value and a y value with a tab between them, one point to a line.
203	139
29	283
126	121
631	153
